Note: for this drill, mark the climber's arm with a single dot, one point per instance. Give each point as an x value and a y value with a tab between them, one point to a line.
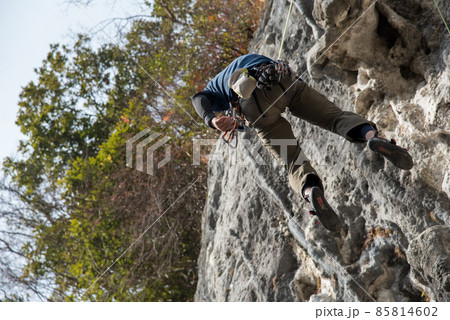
203	106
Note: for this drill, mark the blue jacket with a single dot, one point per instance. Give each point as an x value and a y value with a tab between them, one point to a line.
217	95
218	86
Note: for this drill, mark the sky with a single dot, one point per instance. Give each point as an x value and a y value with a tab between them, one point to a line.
27	28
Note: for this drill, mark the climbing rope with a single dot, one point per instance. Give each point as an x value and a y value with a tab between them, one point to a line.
285	28
442	16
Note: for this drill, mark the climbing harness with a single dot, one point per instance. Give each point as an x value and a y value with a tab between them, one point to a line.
243	83
235	112
285	28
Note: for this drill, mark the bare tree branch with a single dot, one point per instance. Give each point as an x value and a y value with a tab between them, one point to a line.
171	15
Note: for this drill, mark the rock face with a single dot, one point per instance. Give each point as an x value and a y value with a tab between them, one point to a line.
429	256
389	61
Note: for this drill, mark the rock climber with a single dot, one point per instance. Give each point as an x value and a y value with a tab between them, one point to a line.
261	89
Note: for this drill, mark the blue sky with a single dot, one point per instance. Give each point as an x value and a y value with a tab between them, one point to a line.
27	28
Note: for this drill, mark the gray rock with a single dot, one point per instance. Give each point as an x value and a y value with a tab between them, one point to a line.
306	7
429	257
393	66
321	298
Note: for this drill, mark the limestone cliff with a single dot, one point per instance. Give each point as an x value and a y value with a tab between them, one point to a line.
389	61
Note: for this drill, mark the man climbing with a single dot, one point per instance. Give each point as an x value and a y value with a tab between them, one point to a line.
261	89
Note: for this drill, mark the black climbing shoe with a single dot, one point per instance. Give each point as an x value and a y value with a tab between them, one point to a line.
395	154
327	217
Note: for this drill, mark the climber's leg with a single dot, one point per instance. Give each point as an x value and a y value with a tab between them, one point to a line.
280	140
263	113
388	149
315	108
395	154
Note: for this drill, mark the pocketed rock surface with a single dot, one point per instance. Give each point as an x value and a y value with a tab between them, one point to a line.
390	62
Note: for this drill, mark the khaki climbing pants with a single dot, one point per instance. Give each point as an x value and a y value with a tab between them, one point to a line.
263	112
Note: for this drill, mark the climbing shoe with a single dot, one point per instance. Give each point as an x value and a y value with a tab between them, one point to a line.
326	215
395	154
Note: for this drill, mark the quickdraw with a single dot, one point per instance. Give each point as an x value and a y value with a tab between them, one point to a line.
239	124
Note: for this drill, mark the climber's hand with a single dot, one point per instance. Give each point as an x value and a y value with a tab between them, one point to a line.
223	123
